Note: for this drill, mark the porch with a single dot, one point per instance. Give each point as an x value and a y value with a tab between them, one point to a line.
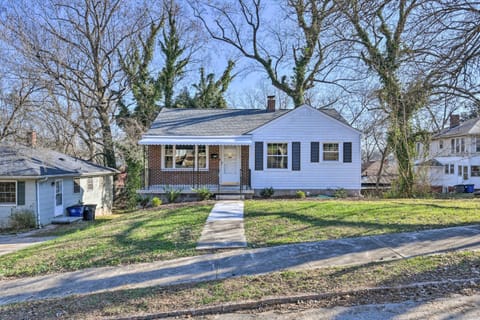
222	169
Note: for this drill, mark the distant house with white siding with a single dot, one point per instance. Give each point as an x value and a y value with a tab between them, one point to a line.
46	182
453	156
247	150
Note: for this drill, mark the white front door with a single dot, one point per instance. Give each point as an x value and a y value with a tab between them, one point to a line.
230	168
58	198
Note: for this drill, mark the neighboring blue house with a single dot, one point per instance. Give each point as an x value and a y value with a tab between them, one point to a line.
47	182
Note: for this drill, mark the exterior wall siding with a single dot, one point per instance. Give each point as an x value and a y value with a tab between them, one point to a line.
307	125
30	201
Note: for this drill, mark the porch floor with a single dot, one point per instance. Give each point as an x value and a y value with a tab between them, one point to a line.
185	189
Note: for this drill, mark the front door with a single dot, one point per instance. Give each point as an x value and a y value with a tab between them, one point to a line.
230	168
58	200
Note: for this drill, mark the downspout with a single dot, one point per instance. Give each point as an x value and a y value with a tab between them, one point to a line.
37	195
37	200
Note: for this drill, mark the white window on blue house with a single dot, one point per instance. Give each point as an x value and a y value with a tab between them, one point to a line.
277	155
330	152
184	157
475	171
8	192
477	144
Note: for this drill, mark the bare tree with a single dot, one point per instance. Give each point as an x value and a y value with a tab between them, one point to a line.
295	43
73	45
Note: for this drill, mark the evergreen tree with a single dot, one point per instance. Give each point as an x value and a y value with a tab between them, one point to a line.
173	52
209	93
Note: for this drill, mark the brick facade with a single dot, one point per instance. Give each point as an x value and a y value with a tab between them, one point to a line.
157	176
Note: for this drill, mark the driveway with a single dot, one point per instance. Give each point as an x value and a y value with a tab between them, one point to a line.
14	242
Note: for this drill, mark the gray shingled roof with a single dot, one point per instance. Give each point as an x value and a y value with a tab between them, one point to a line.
471	126
19	161
216	122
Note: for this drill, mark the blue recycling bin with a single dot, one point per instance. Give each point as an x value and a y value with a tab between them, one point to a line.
76	211
469	188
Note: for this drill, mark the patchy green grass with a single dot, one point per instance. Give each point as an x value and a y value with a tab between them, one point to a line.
277	222
112	240
138	302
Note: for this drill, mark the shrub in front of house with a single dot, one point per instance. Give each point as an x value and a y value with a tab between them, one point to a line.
300	194
340	193
203	193
22	219
172	193
156	202
267	192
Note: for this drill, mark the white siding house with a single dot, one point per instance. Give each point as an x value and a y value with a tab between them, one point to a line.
453	156
312	130
46	182
306	149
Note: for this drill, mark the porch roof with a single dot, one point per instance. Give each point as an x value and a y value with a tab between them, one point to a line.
243	140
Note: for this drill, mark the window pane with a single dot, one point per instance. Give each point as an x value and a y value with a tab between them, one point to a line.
475	171
277	155
7	192
465	172
330	152
184	157
168	158
202	157
76	185
477	140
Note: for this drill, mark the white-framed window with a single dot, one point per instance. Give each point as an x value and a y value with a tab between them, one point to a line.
477	144
8	193
475	171
331	152
76	185
465	172
440	144
447	169
452	169
458	145
277	155
90	184
185	157
459	171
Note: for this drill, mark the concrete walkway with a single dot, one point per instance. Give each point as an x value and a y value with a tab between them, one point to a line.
14	242
304	256
224	227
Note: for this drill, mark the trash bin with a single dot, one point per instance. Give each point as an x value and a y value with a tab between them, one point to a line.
89	212
469	188
75	211
459	188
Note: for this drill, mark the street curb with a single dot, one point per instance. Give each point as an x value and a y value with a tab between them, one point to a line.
250	305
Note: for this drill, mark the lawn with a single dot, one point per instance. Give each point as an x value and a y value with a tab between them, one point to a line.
345	285
277	222
112	240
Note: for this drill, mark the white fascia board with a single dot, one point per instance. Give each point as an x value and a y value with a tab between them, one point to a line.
196	140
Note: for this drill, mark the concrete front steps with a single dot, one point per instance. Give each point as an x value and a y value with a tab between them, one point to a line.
232	192
65	220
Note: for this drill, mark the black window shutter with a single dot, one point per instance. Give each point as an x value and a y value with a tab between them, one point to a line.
347	152
259	155
296	156
20	193
314	151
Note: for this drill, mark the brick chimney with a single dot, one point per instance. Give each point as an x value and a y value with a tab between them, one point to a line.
271	104
32	139
454	120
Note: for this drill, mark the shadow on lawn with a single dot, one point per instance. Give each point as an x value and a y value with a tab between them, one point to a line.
324	226
232	266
